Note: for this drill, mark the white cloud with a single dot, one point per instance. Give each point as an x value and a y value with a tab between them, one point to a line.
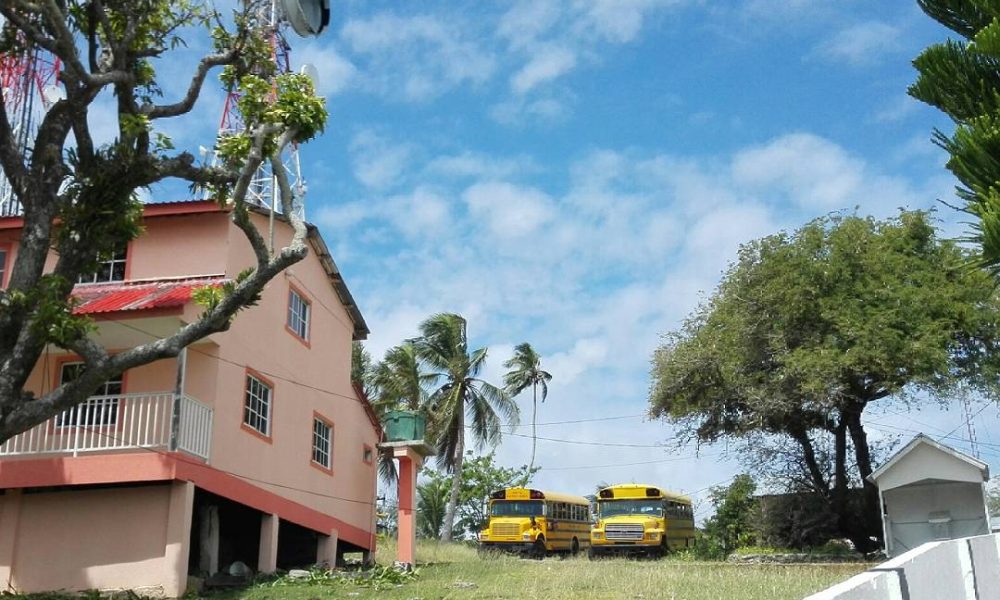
591	274
378	162
422	56
552	38
862	44
476	165
336	73
896	110
509	211
812	171
422	213
547	64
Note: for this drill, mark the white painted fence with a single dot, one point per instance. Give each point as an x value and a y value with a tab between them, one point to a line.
962	569
123	422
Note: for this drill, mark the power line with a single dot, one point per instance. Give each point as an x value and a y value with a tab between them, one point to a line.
647	462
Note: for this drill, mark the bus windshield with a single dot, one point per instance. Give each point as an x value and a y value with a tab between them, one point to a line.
610	508
517	508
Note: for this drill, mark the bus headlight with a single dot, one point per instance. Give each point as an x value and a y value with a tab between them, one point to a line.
653	535
598	535
526	535
484	535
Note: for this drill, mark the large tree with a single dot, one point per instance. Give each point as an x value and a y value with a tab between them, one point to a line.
807	329
79	198
526	371
444	349
962	79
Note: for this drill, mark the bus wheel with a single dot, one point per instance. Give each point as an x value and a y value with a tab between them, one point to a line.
539	549
574	547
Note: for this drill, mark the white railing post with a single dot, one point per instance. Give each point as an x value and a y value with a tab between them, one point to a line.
165	420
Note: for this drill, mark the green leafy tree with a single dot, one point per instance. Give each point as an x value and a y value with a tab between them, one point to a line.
362	369
732	525
993	497
809	328
444	349
432	503
79	198
480	477
526	371
962	79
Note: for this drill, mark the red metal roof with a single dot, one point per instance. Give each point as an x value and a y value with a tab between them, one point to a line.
97	298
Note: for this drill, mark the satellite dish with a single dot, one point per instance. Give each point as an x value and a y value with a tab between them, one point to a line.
307	17
309	70
53	94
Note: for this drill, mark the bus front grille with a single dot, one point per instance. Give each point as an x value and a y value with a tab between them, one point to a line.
623	532
506	529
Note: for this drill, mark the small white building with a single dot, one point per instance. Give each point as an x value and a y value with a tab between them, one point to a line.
930	492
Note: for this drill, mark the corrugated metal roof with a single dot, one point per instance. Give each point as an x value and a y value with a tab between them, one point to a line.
96	298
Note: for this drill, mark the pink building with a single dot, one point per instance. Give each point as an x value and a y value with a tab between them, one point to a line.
251	446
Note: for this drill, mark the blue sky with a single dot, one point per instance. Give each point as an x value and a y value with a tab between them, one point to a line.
577	174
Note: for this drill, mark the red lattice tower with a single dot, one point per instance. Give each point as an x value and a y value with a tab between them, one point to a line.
29	79
262	188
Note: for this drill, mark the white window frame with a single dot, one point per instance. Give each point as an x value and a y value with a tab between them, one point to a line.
105	272
299	313
322	436
100	410
258	398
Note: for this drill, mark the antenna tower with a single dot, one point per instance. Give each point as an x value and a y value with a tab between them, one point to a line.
29	79
970	423
263	187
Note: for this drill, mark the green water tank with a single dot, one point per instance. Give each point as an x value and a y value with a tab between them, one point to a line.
404	425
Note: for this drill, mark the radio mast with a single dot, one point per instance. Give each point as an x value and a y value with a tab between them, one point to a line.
306	17
29	78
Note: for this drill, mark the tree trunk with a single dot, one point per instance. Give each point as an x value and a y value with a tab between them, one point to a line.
456	477
534	435
862	454
809	454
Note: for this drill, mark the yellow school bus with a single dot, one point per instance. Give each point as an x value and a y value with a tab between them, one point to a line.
641	519
536	523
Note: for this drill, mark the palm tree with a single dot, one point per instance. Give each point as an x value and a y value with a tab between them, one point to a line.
400	383
526	371
399	379
443	347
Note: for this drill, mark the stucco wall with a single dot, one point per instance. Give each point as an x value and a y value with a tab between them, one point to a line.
963	569
307	380
123	538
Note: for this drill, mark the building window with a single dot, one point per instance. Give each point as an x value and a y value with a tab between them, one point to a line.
110	267
257	405
3	268
367	454
102	407
322	443
298	315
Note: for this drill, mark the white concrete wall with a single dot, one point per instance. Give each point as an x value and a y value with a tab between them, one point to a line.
967	568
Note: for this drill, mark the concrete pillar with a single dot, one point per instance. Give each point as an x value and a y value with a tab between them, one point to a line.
409	464
208	540
326	549
267	559
10	516
178	538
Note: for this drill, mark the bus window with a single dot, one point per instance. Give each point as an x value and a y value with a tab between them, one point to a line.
517	508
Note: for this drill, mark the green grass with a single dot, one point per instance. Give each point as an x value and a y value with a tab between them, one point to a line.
454	571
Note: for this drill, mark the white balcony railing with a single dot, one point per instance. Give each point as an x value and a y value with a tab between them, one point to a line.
125	422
